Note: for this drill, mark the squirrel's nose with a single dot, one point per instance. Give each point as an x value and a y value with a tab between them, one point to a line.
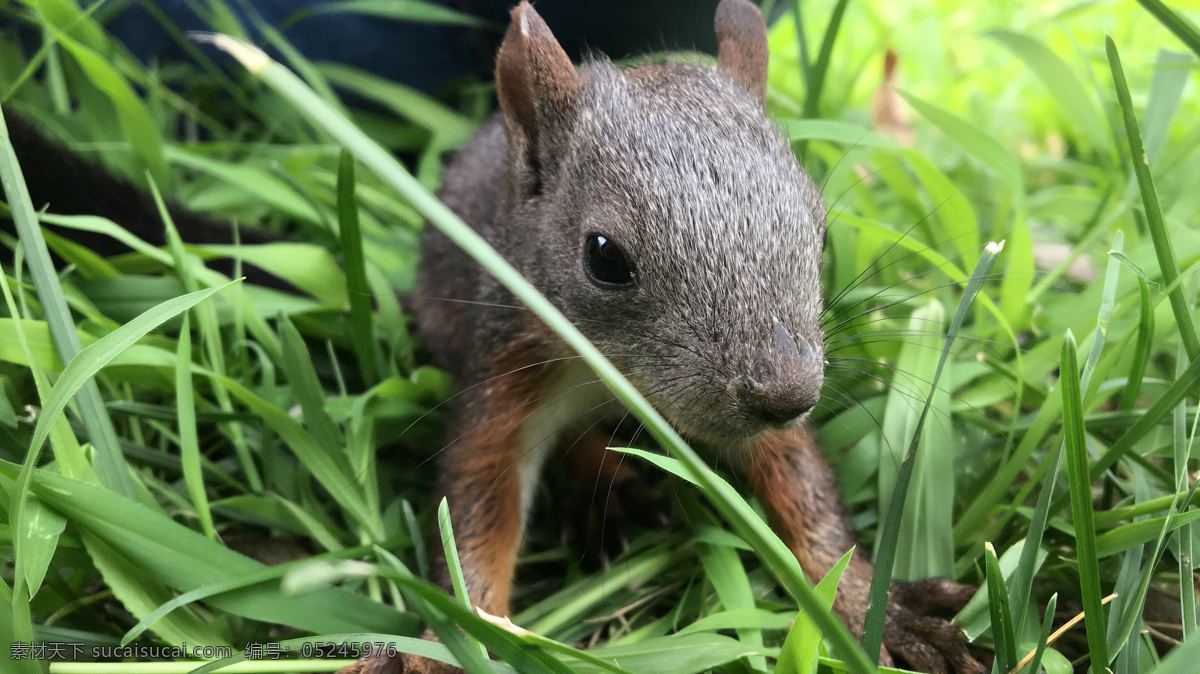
784	380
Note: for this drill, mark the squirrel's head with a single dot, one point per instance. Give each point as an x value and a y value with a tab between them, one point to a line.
673	223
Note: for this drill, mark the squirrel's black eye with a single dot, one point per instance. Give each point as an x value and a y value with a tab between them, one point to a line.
607	264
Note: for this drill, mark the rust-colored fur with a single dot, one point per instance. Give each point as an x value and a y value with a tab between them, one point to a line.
479	477
792	479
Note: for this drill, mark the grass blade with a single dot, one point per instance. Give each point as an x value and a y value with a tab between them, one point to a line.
409	10
109	462
362	327
189	441
445	123
1034	660
925	545
1183	386
1166	88
298	366
802	43
1141	351
90	361
210	333
330	468
38	539
1081	503
800	649
1182	660
1122	624
983	147
1021	583
1175	23
1002	620
1154	218
728	577
885	555
67	453
820	69
1062	82
234	583
588	593
450	548
445	616
1017	283
1022	579
169	553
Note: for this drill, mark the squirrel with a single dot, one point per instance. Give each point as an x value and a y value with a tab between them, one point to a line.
664	214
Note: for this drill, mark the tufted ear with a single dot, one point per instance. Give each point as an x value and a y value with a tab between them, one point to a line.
742	45
536	84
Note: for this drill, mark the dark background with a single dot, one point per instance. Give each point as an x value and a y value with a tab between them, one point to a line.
430	57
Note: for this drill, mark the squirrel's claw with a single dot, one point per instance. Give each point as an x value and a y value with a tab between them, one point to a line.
948	639
926	643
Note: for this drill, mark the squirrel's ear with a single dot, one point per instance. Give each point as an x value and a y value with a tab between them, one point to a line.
742	45
535	82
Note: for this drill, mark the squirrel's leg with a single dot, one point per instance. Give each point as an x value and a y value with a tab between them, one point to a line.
486	475
794	483
482	482
611	494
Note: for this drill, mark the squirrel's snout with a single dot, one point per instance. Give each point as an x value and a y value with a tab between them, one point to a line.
784	382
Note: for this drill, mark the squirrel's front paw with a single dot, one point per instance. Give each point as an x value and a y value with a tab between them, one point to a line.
402	663
923	642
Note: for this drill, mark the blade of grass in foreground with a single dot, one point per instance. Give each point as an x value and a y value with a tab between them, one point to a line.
1141	352
1154	219
81	368
1021	582
445	615
109	462
79	372
189	441
1002	620
1081	503
749	525
885	556
450	548
1035	660
801	647
1127	611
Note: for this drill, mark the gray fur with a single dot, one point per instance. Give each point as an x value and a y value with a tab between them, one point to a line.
679	164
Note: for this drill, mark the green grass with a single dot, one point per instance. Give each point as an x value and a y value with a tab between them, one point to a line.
195	417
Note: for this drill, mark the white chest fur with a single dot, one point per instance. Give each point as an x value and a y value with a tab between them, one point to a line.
571	402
